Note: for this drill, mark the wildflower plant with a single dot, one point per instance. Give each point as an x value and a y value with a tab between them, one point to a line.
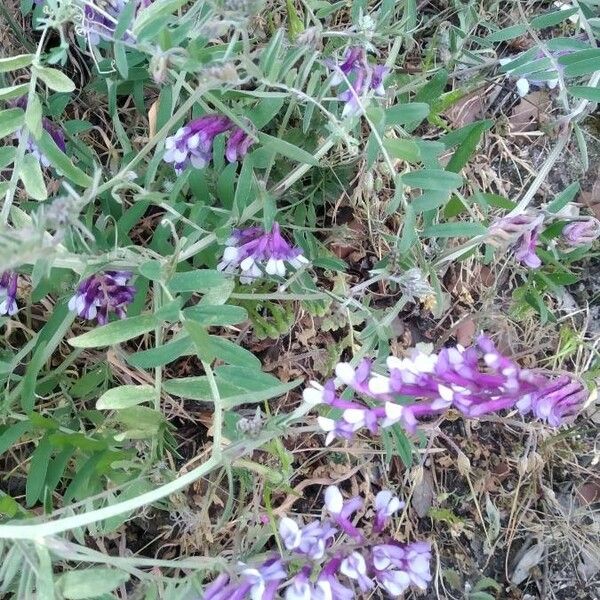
205	206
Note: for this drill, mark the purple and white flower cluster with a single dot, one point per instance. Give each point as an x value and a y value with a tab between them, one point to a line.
8	293
362	77
522	232
316	568
255	251
103	293
193	143
475	381
56	133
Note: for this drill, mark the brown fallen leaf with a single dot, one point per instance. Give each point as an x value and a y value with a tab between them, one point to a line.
532	110
423	494
468	109
465	331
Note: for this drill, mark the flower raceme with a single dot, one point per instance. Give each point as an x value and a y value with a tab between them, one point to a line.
192	145
362	77
476	381
255	251
103	293
313	567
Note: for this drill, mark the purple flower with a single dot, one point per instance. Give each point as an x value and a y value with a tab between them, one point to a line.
355	567
192	144
343	511
523	231
237	145
580	233
328	585
102	293
398	567
310	540
261	582
301	588
253	251
386	505
8	293
556	402
362	77
219	589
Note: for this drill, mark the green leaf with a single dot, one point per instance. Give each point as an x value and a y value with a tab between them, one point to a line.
115	333
32	177
432	179
412	112
158	12
125	396
7	154
12	63
208	315
56	80
579	56
36	476
161	355
429	200
141	419
553	18
125	17
508	33
90	583
14	91
409	231
585	92
404	149
434	88
458	136
286	149
11	119
448	230
237	385
467	148
200	339
30	379
196	281
233	353
121	59
13	433
61	162
562	199
33	117
296	26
